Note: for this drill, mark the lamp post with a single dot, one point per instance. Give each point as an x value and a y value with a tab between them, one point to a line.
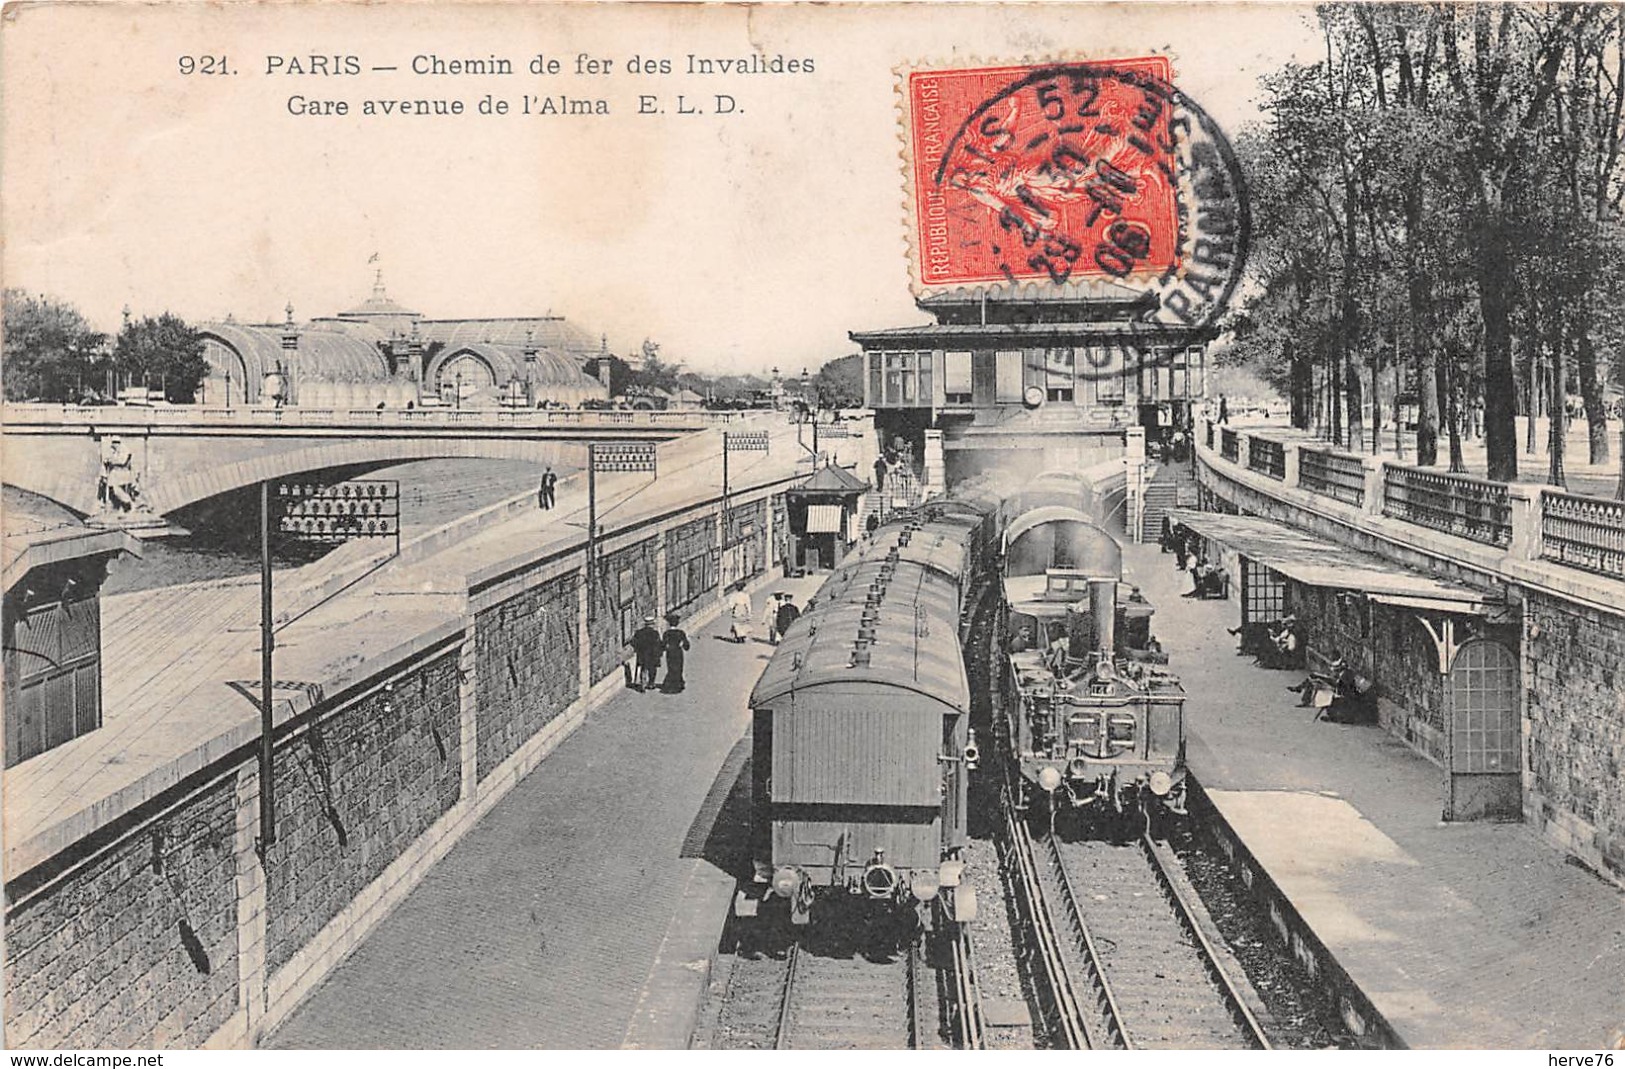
810	402
228	389
457	398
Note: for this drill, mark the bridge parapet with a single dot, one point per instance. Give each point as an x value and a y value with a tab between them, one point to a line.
15	416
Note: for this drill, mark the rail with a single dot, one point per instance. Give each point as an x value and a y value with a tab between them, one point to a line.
1071	1028
1110	1015
781	1035
1230	445
1165	865
965	1002
1460	505
1266	456
1583	532
295	416
1332	474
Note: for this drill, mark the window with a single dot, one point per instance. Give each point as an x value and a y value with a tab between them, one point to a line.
876	390
908	378
1059	375
1008	364
1102	365
956	380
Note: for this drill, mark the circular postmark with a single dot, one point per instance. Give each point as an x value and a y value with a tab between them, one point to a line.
1066	173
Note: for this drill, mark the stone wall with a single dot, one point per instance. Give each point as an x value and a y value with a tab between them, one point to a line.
691	570
1410	690
527	652
1576	728
164	928
625	594
134	946
354	789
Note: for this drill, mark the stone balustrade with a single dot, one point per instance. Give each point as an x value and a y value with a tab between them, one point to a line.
1530	522
298	416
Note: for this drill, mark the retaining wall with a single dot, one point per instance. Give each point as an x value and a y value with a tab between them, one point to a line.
166	927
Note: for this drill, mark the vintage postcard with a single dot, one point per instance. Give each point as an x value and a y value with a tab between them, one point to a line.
630	526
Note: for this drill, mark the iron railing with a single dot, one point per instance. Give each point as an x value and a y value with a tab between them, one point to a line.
1331	474
1459	505
1229	445
1267	457
1583	532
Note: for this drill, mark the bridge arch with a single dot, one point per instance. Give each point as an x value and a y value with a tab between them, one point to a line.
192	486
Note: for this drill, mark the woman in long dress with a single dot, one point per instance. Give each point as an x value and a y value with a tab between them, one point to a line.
739	612
675	643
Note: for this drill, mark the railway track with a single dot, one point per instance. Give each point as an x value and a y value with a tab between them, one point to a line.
851	1003
1153	978
808	1000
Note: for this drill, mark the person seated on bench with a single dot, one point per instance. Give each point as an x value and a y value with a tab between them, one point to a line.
1285	645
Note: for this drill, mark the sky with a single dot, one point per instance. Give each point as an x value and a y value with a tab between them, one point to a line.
737	241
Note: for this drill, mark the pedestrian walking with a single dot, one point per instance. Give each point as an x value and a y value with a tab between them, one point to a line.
675	644
544	495
787	615
880	474
770	617
739	613
1224	409
646	646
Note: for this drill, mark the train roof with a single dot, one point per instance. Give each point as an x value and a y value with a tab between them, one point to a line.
915	636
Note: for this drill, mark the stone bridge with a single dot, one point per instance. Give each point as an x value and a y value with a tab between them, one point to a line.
183	455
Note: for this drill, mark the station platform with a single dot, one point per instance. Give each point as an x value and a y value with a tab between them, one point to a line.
1462	935
583	909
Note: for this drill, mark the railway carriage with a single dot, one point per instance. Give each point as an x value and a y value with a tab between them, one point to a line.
861	741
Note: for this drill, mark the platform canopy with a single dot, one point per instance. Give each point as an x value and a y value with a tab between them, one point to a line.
1317	562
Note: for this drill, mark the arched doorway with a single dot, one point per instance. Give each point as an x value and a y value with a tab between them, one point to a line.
1485	738
464	377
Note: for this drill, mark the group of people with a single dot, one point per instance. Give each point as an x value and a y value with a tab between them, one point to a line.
778	614
1208	579
1273	645
649	646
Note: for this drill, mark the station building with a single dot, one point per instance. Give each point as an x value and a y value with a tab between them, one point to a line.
1031	382
381	352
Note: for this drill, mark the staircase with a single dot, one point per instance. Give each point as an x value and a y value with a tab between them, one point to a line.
903	491
1161	494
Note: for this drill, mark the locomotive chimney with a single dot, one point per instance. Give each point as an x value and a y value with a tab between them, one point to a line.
1103	608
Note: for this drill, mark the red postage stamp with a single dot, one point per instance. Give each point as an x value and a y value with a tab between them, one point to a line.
1044	173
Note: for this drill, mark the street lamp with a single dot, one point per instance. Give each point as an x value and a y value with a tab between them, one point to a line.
457	398
228	389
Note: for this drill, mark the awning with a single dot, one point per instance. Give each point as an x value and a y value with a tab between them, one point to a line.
1317	562
824	519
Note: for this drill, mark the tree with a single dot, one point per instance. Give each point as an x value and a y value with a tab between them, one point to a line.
50	353
839	383
164	352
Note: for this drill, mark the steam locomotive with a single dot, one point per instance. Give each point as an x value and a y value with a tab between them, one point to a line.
1096	725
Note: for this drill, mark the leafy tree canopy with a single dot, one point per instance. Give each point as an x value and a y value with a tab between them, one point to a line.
50	354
